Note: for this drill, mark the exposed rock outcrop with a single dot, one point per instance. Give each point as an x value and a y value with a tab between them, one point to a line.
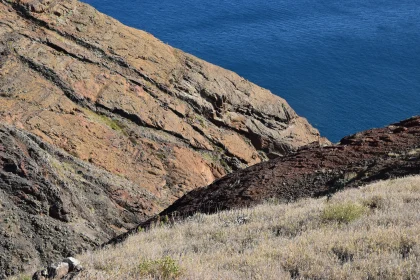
68	269
53	204
123	100
118	125
376	154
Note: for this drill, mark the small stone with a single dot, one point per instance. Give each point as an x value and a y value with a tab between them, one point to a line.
72	262
68	267
40	275
61	270
400	129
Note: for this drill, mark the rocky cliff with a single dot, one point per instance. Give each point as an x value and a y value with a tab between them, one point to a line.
52	203
104	125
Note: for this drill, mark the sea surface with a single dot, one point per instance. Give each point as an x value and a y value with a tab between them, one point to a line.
344	65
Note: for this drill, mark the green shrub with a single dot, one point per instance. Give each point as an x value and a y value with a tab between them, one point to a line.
164	268
343	213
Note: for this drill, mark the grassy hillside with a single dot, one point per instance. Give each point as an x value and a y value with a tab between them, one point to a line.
367	233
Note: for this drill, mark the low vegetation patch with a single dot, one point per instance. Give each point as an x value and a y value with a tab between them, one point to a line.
343	212
367	233
164	268
112	123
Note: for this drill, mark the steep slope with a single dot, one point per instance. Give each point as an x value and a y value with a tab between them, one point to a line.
366	233
393	151
122	123
122	100
53	204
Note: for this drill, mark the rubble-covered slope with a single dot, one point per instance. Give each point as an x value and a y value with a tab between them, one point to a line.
376	154
53	204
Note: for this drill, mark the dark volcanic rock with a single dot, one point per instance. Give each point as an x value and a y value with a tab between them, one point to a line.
53	204
376	154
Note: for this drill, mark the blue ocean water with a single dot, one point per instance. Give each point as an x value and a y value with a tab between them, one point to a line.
346	66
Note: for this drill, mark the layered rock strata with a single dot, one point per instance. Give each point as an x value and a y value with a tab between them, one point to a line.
104	126
121	99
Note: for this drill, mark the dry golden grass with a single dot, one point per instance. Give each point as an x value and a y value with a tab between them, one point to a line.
367	233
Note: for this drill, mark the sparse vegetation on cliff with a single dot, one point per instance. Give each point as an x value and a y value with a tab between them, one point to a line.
367	233
128	106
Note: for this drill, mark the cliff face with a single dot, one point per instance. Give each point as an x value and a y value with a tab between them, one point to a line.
151	121
54	204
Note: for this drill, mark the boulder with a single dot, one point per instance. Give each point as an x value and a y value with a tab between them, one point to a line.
66	270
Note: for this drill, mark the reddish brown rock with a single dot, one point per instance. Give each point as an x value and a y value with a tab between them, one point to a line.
156	121
105	92
313	171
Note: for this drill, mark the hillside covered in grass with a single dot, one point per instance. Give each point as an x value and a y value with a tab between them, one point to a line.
371	232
